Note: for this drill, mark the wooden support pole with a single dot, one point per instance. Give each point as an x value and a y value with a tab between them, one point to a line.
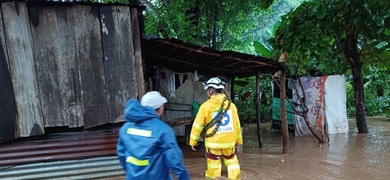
283	112
239	149
232	89
257	107
137	52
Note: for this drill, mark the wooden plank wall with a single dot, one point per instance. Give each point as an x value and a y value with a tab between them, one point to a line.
89	53
23	74
70	65
7	100
118	57
57	67
69	78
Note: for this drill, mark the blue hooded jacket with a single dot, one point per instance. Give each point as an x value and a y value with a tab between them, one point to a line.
147	146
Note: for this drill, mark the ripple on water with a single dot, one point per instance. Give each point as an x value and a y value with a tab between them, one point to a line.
247	172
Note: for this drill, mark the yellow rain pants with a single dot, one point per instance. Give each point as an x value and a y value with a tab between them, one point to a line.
214	166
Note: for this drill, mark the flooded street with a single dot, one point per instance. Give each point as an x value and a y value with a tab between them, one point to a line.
349	156
346	156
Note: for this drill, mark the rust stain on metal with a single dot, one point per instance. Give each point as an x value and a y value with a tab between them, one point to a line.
59	146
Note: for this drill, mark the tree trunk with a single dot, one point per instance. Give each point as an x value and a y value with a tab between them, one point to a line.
358	88
214	35
353	57
283	113
194	16
257	108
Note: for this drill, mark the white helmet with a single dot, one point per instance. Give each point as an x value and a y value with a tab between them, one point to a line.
215	83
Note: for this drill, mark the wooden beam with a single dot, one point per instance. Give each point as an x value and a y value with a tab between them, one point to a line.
185	62
218	54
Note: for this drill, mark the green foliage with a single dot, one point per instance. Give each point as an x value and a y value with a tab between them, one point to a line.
246	106
242	26
315	36
265	3
113	1
377	92
262	49
220	24
169	19
377	89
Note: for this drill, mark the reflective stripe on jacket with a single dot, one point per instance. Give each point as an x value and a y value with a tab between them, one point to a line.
147	146
228	135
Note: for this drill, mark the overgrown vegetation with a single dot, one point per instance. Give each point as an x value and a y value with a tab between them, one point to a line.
377	93
245	92
321	37
219	24
243	26
333	36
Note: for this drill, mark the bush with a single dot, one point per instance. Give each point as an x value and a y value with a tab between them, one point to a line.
376	94
245	92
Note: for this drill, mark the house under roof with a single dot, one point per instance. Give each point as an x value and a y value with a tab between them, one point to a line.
179	56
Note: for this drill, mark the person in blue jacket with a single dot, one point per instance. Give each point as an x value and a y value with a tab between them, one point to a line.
147	146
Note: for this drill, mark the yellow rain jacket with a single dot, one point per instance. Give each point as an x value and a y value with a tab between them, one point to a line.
229	131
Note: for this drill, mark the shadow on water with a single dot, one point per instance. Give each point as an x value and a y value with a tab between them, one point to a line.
346	156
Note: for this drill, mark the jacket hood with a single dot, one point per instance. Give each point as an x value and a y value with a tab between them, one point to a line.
219	98
135	112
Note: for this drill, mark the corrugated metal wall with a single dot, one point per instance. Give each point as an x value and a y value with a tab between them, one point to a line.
66	154
69	154
94	168
60	146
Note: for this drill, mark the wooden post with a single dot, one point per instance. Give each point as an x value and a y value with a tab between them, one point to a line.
232	89
257	107
137	52
239	149
283	112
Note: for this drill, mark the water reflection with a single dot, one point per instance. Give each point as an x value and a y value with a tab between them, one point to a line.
346	156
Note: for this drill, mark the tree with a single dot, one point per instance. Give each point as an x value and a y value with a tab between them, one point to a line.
331	35
242	26
219	24
212	23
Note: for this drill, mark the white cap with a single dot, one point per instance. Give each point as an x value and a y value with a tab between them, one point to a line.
153	99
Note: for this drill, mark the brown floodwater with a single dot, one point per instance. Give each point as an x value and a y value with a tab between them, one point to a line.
346	156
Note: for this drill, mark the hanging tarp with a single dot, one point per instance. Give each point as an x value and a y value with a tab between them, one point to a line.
335	104
325	102
276	111
313	89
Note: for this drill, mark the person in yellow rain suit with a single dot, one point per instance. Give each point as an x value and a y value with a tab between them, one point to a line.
218	119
